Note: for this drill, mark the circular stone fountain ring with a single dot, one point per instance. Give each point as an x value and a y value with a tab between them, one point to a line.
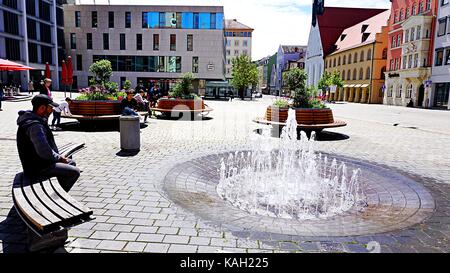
394	202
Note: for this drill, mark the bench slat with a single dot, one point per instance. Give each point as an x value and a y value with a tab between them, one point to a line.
25	209
38	206
48	189
49	203
69	199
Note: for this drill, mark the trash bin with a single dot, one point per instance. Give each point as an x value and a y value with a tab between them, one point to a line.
130	133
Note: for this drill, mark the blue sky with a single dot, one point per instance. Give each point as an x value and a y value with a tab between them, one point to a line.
275	21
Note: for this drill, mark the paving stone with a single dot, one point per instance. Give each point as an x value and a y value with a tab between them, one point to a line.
135	247
152	238
208	249
111	245
104	235
168	230
176	239
200	241
143	229
156	248
125	236
182	249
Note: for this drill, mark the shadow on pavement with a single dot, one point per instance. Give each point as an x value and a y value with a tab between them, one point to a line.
93	126
127	153
13	234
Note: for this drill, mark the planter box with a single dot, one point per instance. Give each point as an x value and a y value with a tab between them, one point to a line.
181	104
304	116
95	108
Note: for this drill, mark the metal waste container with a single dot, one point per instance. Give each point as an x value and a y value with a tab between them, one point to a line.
130	133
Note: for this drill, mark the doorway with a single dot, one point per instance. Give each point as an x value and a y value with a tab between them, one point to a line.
421	96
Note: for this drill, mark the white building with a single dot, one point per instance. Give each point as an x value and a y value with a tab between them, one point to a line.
441	67
238	42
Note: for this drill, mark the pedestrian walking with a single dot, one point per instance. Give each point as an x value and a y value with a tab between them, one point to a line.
30	87
1	95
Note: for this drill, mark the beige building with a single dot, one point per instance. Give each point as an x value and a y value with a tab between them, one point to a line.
238	42
360	58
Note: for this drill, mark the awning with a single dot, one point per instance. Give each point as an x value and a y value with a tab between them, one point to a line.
364	85
6	65
351	85
358	85
345	85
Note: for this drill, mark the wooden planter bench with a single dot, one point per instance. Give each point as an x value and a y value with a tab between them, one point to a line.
47	209
173	108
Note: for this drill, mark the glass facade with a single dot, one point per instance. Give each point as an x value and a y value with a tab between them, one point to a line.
166	64
182	20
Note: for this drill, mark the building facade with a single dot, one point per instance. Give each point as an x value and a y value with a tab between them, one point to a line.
286	54
238	42
263	75
327	26
148	44
410	52
32	33
441	62
360	58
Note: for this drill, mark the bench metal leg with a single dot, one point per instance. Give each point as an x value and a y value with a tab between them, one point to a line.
53	240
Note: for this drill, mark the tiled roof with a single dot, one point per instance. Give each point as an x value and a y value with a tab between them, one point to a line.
335	20
234	24
353	36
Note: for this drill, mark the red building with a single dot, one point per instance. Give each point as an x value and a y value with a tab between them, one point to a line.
410	51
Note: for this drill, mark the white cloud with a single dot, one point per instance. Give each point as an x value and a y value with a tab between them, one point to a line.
275	21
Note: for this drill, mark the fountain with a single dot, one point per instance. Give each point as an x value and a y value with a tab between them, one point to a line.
292	181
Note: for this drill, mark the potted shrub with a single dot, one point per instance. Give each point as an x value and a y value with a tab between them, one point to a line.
309	110
182	94
102	97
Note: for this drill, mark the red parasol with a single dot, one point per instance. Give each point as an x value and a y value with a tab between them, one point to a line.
64	73
69	71
6	65
48	74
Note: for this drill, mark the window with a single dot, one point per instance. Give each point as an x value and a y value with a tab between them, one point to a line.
419	34
12	47
361	74
111	19
401	15
32	53
439	57
414	10
79	62
404	62
77	19
194	64
228	52
228	42
344	61
138	41
407	36
105	41
390	91
236	53
44	10
397	64
407	13
190	42
334	62
46	55
94	19
11	22
343	75
127	19
369	55
89	40
447	57
245	52
361	57
204	20
245	43
392	66
428	5
349	75
349	58
416	60
354	74
368	73
196	19
173	42
421	7
399	40
409	91
122	41
46	33
339	61
355	59
236	43
156	42
398	93
442	26
213	21
410	58
73	41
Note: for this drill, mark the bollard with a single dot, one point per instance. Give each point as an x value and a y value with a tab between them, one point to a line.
130	133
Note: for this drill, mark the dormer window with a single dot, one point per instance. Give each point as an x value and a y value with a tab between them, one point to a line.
364	28
343	37
365	36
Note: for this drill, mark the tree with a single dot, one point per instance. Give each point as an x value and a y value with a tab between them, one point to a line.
184	87
330	79
295	80
244	73
102	70
127	85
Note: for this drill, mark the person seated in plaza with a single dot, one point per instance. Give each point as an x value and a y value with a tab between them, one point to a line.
410	104
129	105
63	108
142	103
37	148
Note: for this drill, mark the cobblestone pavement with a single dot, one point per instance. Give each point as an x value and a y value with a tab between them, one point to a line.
134	214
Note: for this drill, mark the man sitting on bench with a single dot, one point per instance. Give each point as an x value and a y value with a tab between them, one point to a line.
37	148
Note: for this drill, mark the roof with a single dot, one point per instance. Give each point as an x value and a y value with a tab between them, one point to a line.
289	49
234	24
353	36
335	20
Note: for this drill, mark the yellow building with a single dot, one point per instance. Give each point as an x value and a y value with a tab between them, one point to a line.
360	57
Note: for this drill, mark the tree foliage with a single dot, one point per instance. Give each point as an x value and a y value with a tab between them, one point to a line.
184	87
102	71
244	73
330	79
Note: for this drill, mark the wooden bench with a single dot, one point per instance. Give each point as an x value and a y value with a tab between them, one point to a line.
306	127
99	118
47	209
177	112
